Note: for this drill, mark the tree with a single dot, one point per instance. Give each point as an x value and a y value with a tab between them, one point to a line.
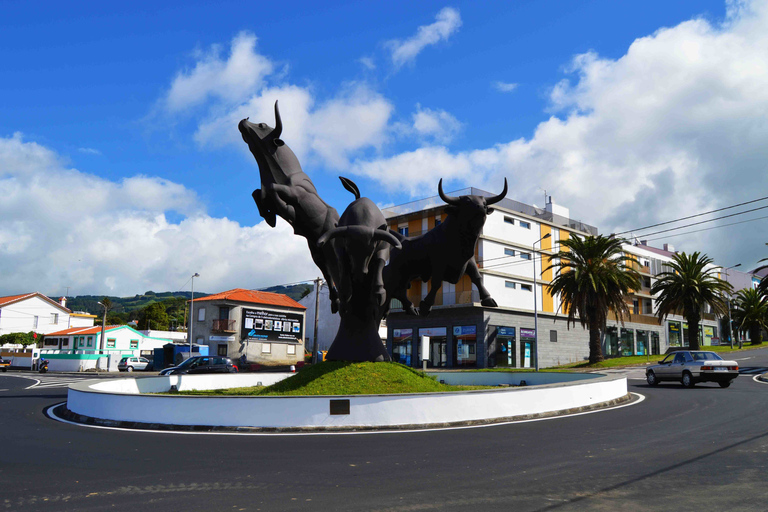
594	277
751	313
763	287
688	288
21	338
153	316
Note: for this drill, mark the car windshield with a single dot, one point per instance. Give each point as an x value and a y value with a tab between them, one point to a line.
189	362
705	356
124	359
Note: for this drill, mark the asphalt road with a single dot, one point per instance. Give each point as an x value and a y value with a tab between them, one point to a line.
680	449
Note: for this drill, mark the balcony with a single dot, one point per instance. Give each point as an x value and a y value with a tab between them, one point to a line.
223	326
444	299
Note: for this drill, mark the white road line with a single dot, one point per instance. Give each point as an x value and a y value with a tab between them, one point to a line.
756	378
52	415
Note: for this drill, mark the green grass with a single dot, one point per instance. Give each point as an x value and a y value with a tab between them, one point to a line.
345	378
615	362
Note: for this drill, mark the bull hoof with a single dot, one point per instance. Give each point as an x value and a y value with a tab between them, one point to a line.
381	296
424	309
488	301
411	310
270	218
335	306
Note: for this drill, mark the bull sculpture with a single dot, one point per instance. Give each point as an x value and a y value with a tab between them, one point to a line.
361	243
288	192
444	253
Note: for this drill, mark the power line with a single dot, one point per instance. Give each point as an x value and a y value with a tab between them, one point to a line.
705	221
694	216
708	229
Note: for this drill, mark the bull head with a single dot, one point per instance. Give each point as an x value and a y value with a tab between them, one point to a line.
364	243
478	201
275	159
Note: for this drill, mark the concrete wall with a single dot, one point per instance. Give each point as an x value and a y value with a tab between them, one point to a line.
117	400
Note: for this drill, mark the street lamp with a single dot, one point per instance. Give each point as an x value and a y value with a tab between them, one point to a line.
192	312
535	305
103	323
730	317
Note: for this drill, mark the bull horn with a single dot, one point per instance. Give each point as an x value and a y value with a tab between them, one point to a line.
363	234
447	199
278	123
330	235
496	199
386	236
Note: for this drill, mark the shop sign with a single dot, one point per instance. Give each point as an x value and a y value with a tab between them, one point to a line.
527	333
433	331
462	330
264	325
221	338
505	331
402	333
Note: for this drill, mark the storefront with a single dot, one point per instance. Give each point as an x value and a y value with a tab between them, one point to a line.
402	346
438	346
506	347
527	348
464	345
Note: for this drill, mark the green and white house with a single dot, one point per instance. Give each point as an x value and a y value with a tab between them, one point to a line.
79	348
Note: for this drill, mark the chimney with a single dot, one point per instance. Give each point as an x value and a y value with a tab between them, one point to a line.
643	242
63	302
668	247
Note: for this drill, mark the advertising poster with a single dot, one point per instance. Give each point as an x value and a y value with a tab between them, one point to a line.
263	325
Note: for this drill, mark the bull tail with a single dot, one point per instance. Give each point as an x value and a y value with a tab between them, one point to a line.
350	185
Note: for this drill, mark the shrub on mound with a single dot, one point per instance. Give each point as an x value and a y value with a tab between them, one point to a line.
346	378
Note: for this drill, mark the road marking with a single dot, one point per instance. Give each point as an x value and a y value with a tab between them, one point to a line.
742	359
756	378
51	414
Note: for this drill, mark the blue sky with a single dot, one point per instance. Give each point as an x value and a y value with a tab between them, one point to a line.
123	170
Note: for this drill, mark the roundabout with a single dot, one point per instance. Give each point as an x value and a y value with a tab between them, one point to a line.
143	403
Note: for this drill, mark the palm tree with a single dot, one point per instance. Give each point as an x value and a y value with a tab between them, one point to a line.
594	277
751	313
687	288
763	287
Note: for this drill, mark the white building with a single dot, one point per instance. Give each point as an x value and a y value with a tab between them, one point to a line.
32	312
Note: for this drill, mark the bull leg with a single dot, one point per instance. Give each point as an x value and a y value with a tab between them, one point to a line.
321	260
477	280
408	307
265	213
375	268
426	305
283	196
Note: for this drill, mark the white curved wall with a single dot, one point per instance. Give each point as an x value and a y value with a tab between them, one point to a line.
118	400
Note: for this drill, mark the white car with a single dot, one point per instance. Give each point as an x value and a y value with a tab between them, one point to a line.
131	363
691	366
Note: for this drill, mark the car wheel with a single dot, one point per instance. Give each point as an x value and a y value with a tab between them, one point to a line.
652	380
129	369
724	384
688	380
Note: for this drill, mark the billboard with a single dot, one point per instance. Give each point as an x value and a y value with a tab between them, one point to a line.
265	325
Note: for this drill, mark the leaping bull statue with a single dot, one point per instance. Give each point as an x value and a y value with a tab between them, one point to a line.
444	253
288	192
362	242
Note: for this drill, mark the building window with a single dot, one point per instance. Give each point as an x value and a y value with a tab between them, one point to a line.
54	318
403	230
266	348
90	341
553	336
526	225
110	342
635	307
201	315
438	221
509	252
510	284
526	287
647	282
509	220
290	350
648	307
222	350
64	342
525	255
51	342
134	344
34	323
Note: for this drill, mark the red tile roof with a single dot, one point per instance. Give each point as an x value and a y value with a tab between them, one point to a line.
82	330
254	297
10	299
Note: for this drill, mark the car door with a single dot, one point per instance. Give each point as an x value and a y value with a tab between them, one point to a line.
662	371
677	366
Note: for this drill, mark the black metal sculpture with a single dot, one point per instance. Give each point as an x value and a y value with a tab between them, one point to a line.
288	192
352	250
444	253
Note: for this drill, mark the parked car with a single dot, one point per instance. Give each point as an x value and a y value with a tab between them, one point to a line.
131	363
4	364
691	366
202	364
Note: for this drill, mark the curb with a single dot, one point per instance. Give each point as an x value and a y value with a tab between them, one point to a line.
62	412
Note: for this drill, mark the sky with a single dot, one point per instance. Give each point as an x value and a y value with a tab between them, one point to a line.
122	169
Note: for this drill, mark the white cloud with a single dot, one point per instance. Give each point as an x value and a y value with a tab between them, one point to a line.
447	21
89	151
367	63
504	86
66	228
435	125
230	80
674	127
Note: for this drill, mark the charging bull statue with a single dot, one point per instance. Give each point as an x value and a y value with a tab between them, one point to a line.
288	192
444	253
361	243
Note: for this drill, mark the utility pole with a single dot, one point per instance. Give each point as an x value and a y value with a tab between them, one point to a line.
192	312
318	283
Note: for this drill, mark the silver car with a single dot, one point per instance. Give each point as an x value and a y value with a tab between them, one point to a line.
691	366
131	363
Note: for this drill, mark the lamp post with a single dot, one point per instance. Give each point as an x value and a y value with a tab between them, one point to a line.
192	312
103	323
730	318
535	306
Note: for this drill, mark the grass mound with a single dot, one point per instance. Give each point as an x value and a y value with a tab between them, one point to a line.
346	378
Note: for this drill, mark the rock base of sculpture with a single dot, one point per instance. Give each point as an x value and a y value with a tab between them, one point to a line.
357	340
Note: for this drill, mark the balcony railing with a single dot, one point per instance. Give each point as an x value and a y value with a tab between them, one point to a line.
446	299
223	326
